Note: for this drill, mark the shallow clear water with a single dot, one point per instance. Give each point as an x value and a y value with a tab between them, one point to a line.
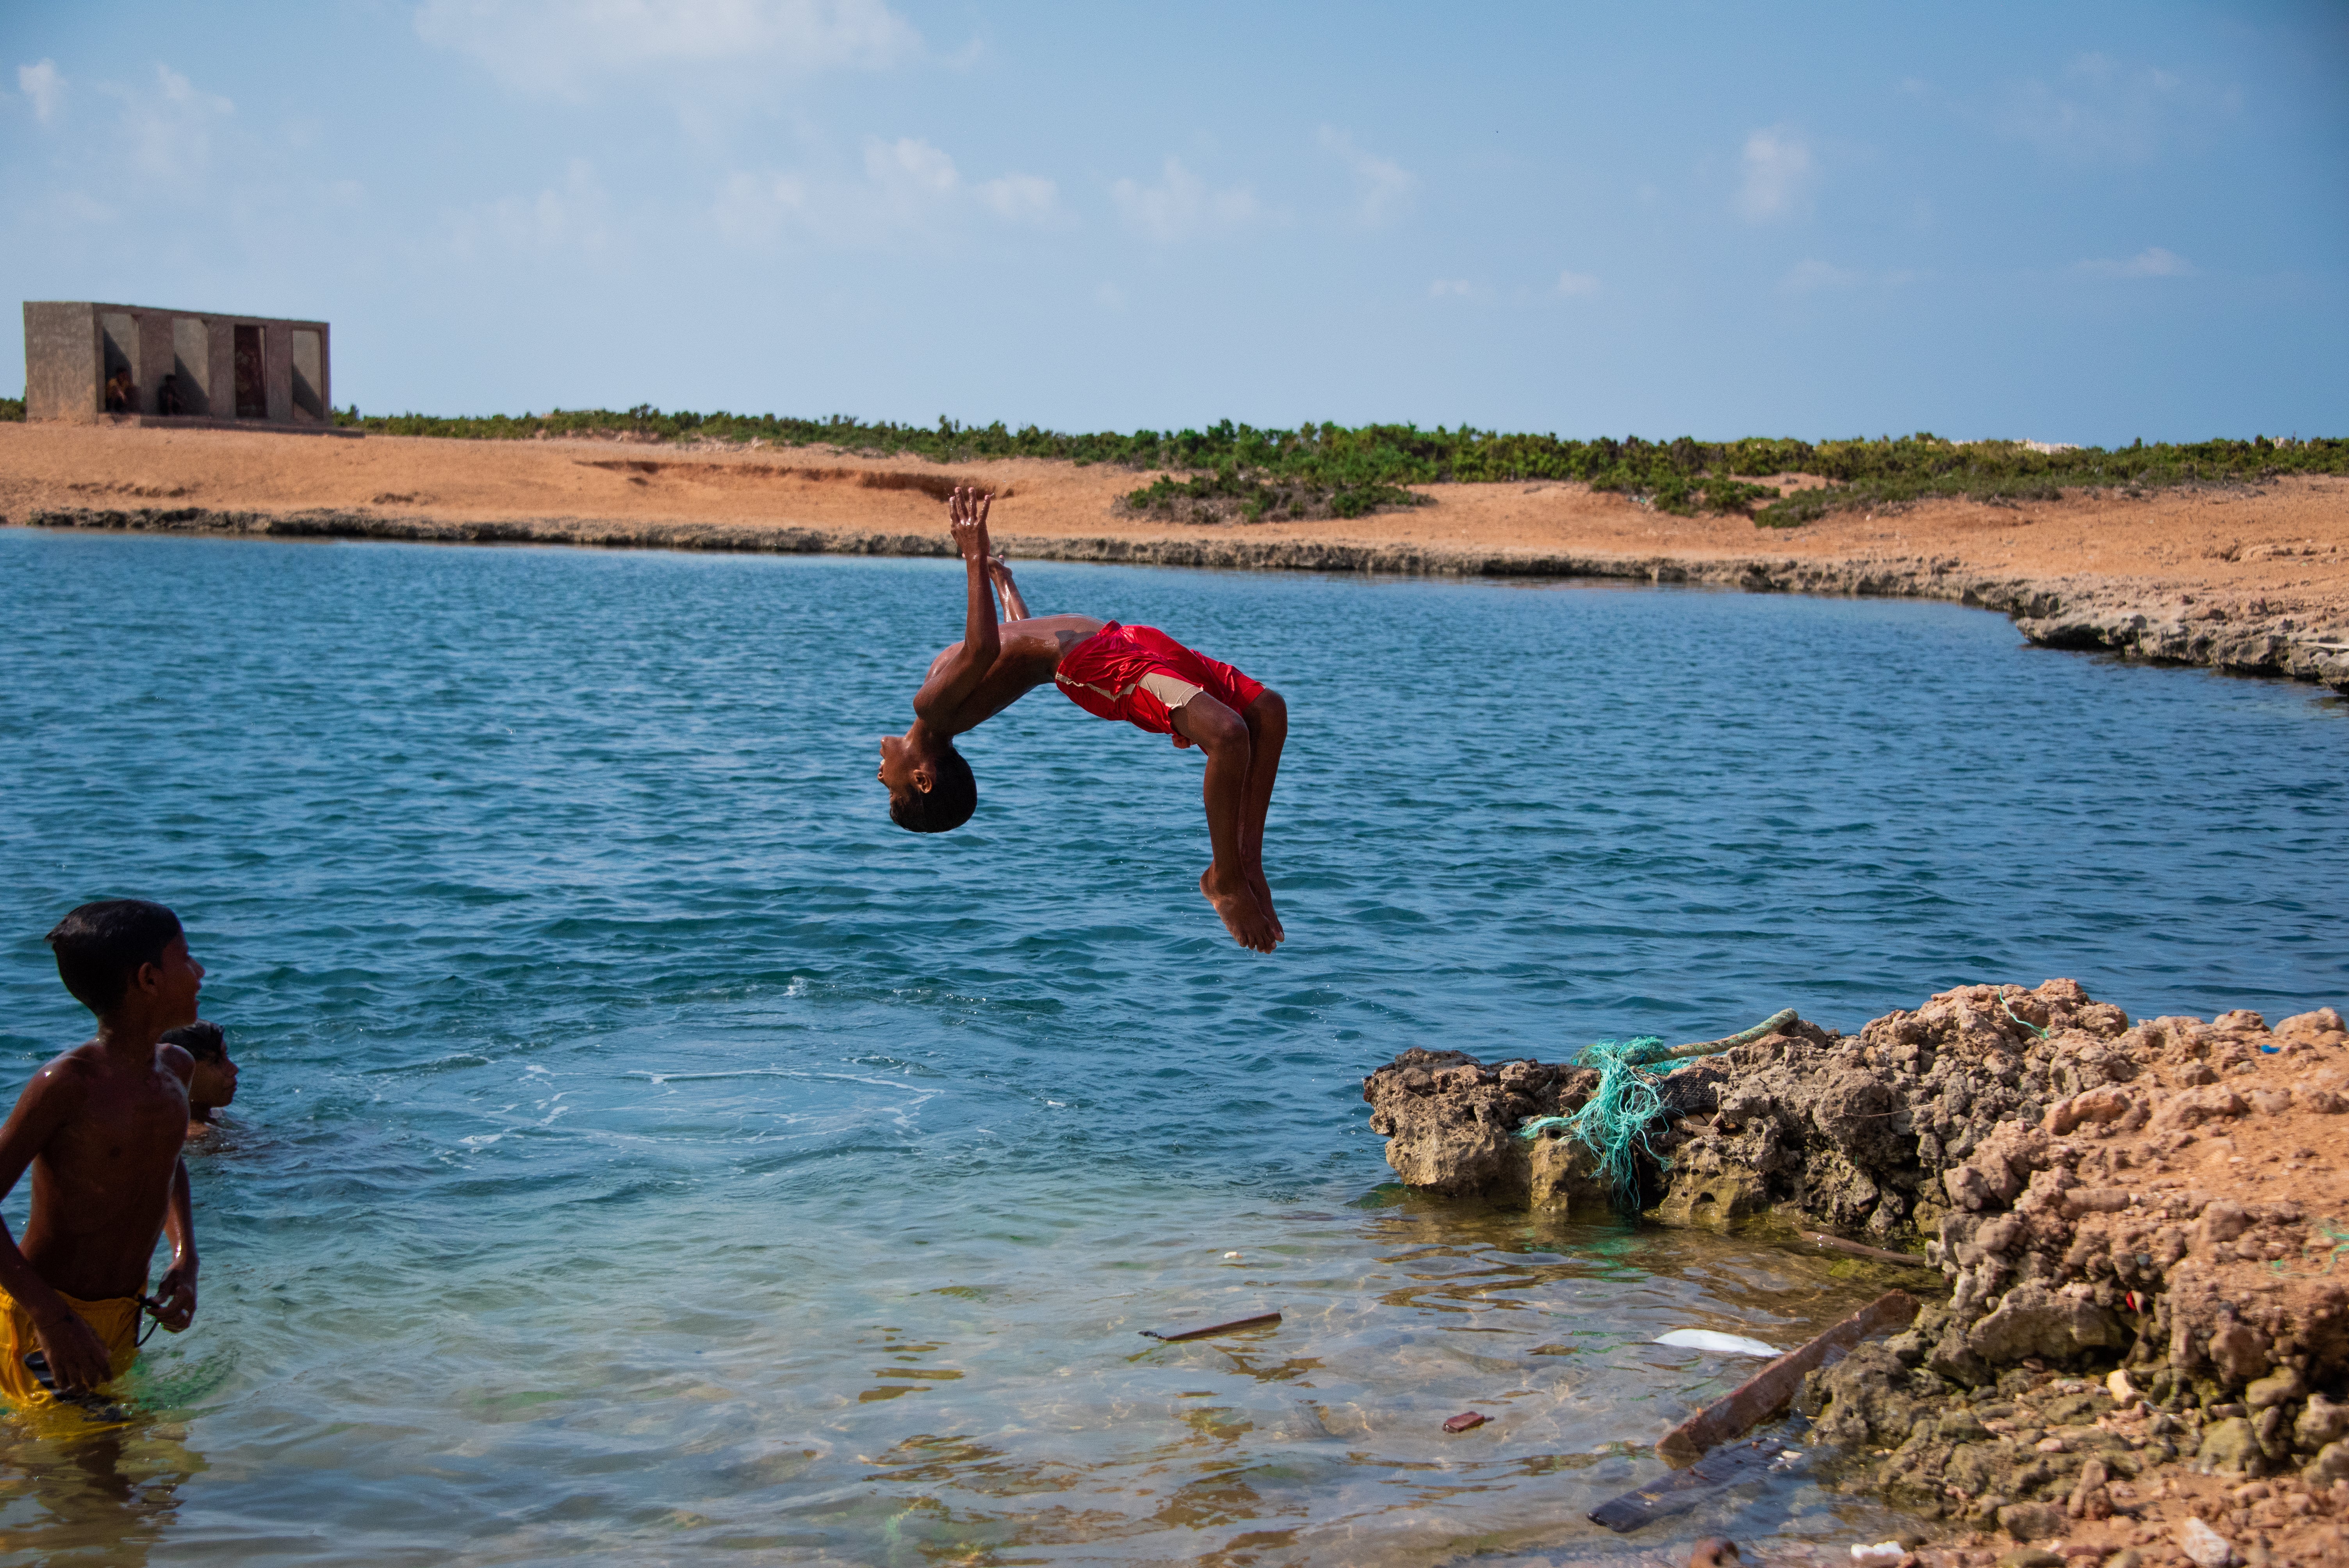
647	1152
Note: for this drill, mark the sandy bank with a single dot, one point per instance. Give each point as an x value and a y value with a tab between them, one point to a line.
2138	1225
2248	579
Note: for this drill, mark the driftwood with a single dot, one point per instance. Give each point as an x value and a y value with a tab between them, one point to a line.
1770	1390
1856	1250
1174	1335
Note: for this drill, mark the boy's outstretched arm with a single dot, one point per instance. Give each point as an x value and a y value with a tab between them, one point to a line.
959	674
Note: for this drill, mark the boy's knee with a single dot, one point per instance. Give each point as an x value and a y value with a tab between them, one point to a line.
1212	726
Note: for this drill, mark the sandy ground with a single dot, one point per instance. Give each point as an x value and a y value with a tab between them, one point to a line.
2287	541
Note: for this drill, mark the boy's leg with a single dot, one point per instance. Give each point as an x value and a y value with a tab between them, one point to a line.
1267	723
1224	736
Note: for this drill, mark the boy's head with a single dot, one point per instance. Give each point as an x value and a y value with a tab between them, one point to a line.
930	787
213	1083
108	951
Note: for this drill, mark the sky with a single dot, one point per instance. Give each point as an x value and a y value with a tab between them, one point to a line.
2080	221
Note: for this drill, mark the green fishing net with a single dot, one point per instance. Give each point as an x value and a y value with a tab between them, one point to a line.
1613	1124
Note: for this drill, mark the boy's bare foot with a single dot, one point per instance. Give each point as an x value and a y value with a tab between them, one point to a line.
1264	896
1236	902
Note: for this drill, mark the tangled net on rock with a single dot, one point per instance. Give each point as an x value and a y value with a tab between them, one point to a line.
1615	1122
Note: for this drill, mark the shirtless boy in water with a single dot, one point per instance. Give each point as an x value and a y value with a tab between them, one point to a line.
101	1127
1137	674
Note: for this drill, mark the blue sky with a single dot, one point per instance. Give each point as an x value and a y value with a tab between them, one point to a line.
2087	222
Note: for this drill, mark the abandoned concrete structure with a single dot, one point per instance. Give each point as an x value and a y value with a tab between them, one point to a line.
136	365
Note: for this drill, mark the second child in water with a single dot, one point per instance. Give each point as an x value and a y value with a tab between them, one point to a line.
1137	674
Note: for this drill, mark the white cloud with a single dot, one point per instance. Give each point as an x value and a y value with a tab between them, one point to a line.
1575	283
1181	205
562	46
575	216
170	128
2153	262
910	189
1383	187
2108	111
43	87
912	166
1022	199
1807	277
1451	288
1778	174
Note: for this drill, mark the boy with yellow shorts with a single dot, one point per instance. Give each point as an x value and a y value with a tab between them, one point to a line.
100	1127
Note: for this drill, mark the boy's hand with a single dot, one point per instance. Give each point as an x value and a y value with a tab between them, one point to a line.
967	512
77	1360
175	1298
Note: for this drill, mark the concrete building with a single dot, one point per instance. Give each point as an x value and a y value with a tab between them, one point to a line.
133	363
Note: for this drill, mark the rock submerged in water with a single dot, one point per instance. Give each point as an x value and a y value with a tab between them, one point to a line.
2166	1197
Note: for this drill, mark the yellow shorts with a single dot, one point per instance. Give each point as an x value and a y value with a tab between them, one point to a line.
116	1322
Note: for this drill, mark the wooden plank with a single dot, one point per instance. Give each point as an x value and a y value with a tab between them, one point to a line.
1770	1390
1175	1336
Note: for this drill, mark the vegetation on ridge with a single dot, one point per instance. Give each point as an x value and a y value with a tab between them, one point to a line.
1230	471
1236	471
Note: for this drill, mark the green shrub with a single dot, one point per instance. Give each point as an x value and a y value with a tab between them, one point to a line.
12	410
1234	471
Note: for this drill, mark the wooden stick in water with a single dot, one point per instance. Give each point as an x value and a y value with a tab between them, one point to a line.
1770	1390
1175	1336
1856	1250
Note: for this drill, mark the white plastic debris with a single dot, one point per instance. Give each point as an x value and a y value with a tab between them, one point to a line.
1883	1555
2206	1546
1720	1344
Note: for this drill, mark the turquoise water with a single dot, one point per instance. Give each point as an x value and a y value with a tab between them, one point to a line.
645	1151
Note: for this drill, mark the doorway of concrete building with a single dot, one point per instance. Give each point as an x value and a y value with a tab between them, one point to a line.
252	381
191	365
118	386
309	400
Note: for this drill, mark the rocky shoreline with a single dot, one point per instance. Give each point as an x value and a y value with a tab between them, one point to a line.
2231	631
2143	1351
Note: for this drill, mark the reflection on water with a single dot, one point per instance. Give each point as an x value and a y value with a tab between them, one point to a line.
646	1152
72	1493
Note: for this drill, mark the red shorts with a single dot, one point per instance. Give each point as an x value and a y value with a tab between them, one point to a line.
1141	675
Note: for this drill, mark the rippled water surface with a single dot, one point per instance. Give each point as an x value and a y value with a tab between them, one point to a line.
645	1151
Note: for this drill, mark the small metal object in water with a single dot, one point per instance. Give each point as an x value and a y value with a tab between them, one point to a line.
1676	1490
1174	1335
1465	1421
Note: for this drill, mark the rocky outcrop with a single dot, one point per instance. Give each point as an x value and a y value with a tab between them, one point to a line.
2135	621
2162	1204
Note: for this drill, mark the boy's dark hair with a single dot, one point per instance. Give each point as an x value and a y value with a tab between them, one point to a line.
952	797
204	1041
102	947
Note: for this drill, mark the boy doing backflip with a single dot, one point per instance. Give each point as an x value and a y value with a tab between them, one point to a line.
1137	674
101	1127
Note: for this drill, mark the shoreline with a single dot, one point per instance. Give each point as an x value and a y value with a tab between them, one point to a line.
2250	578
2143	621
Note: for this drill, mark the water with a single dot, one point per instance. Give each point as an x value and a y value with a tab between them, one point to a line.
646	1152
